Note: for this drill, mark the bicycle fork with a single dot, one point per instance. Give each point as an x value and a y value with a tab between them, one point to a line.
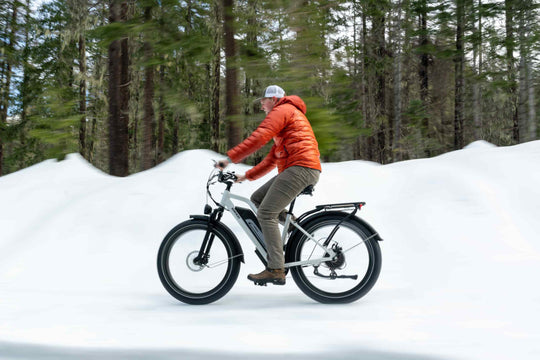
204	252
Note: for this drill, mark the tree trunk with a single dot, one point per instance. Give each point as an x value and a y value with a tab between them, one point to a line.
148	120
532	103
379	20
25	86
368	144
7	68
118	96
215	79
523	96
527	111
175	134
232	98
91	142
397	82
161	122
459	60
510	65
82	95
356	74
251	84
477	66
355	66
423	72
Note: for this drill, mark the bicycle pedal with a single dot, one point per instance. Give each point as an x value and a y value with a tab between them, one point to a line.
260	283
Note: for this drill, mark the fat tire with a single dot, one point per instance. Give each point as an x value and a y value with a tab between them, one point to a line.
224	286
365	285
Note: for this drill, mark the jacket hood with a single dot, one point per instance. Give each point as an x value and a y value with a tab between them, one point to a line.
295	101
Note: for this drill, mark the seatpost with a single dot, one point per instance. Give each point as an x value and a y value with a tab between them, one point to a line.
291	207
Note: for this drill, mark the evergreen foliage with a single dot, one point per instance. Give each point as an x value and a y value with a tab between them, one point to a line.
383	80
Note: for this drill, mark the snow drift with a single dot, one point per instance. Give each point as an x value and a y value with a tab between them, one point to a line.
460	260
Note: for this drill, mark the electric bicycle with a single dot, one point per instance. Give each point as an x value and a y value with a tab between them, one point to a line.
333	255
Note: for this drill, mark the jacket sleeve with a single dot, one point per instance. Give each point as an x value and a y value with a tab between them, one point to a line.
264	167
270	127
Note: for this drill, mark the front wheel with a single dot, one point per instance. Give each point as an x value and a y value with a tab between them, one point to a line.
189	278
350	274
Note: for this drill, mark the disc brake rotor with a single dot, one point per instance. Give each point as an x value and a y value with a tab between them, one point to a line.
190	261
339	260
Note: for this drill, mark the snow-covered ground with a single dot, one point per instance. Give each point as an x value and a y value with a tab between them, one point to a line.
461	259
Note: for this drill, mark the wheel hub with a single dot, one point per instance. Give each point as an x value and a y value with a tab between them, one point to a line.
338	262
191	262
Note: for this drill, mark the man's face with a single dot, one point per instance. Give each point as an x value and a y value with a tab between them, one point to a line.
267	104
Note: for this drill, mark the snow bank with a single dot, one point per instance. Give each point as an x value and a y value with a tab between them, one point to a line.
460	257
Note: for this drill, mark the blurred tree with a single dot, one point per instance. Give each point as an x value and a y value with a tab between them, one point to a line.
383	81
149	125
77	24
421	9
232	97
476	40
526	109
510	42
6	71
215	74
459	61
118	93
54	110
397	79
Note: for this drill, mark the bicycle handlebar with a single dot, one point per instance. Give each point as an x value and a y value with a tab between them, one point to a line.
224	177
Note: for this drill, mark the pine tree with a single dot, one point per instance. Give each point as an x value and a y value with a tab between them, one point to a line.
232	97
118	95
459	61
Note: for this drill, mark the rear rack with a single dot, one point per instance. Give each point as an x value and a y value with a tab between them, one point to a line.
357	205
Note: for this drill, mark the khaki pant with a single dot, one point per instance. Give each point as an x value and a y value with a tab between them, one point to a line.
271	200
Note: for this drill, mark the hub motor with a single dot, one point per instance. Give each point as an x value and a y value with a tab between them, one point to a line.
339	261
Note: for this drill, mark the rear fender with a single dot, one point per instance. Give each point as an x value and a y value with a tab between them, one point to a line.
314	218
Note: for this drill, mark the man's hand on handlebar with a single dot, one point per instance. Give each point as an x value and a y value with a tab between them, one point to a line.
222	164
240	178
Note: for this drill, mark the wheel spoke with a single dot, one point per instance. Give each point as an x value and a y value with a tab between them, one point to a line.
361	242
221	262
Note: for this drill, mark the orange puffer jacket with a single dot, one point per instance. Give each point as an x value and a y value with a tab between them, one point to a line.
294	140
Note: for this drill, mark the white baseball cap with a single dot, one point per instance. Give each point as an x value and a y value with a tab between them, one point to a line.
273	90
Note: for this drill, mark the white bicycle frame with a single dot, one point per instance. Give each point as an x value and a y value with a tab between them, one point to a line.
227	203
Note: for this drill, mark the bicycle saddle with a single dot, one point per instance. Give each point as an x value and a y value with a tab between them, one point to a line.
308	190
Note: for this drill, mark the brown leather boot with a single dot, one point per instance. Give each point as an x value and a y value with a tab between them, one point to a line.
274	276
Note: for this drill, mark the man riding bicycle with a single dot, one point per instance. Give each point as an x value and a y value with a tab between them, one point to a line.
295	153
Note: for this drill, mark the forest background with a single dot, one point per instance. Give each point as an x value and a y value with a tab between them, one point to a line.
128	84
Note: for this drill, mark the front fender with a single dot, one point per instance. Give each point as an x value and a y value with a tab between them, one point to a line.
219	225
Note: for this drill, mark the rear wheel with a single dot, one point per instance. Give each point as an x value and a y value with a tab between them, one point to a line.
347	276
187	277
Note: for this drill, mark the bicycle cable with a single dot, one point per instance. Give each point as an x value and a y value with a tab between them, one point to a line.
213	174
